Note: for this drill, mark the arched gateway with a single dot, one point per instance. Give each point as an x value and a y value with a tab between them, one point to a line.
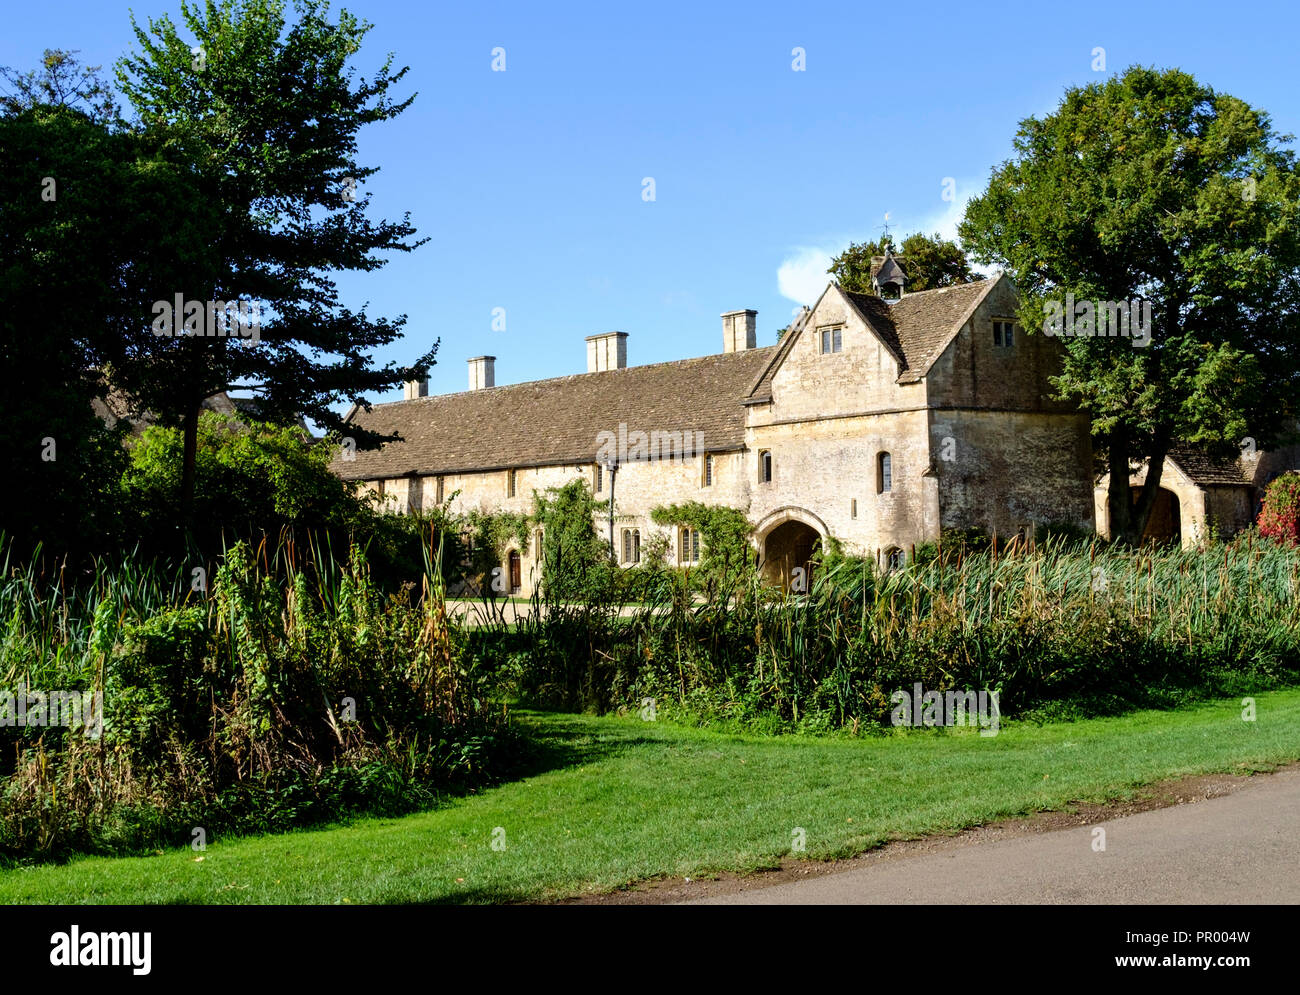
786	540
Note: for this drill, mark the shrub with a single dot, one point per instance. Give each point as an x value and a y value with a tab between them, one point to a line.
1280	517
296	691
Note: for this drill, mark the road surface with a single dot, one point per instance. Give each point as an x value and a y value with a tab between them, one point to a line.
1243	848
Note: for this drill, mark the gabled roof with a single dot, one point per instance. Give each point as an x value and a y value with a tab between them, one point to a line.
927	321
558	421
915	329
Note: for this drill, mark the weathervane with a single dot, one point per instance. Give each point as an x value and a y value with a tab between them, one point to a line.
886	237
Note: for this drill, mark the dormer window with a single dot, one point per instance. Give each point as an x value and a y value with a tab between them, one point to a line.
831	340
1004	334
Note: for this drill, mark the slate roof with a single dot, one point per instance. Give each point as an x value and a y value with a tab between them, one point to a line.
1208	469
925	322
558	421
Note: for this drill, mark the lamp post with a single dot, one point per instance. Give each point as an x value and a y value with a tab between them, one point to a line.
612	466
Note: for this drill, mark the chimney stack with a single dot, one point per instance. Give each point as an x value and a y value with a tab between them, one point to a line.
415	388
739	330
606	352
482	372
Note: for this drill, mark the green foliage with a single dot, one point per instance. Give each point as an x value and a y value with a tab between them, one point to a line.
72	273
576	560
1068	629
1153	186
930	262
724	534
296	692
489	537
250	478
262	125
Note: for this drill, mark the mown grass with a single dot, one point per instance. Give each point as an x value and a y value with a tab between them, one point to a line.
618	800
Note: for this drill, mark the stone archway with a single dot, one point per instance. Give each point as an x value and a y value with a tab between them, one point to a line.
787	540
1166	521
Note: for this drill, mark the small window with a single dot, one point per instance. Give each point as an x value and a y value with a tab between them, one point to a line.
631	545
439	490
1004	334
708	469
832	340
895	558
853	508
538	555
884	473
381	488
765	466
599	479
510	483
689	547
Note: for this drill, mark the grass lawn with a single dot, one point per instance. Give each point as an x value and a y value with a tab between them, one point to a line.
623	799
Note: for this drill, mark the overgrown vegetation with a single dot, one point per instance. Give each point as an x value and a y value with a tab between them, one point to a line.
1058	630
296	692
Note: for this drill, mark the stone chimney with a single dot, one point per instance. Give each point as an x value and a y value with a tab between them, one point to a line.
415	388
482	372
739	330
606	352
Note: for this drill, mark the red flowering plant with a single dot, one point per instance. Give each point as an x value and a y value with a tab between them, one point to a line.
1280	517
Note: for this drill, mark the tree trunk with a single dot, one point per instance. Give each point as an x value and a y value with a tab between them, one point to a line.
1141	512
1119	504
188	460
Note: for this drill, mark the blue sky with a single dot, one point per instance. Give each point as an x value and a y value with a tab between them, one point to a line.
529	182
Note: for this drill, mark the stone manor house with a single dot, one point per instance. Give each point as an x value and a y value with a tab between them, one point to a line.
876	420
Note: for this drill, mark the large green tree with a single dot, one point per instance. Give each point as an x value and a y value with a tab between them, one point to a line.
261	115
930	262
72	211
1152	186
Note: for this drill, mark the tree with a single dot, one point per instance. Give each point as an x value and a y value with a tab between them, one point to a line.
62	81
1152	187
67	284
575	558
929	261
260	118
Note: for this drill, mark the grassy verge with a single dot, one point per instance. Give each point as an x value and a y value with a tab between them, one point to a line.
622	800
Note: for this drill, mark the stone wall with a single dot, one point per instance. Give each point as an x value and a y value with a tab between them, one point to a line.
639	488
1007	456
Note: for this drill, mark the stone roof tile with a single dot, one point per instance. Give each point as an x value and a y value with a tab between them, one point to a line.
558	421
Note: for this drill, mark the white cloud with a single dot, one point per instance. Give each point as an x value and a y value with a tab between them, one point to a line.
802	275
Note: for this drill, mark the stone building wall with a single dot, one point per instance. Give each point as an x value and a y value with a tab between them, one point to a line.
1007	456
639	488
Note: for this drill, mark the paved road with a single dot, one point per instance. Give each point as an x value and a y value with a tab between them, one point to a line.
1241	848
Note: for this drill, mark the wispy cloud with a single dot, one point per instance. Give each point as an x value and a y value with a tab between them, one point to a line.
802	275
